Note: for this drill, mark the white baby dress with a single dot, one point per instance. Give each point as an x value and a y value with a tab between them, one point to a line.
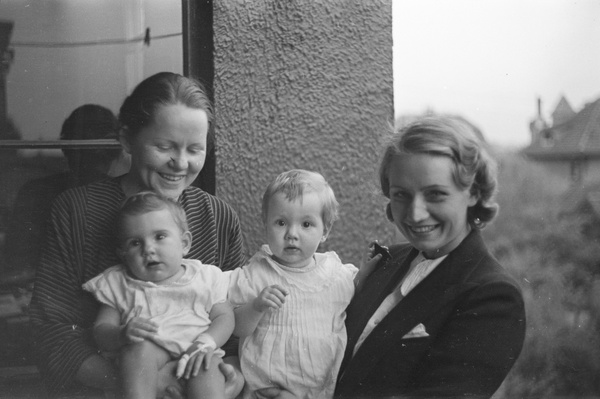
300	346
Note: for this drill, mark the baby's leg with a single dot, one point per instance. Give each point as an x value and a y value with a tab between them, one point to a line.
208	383
140	363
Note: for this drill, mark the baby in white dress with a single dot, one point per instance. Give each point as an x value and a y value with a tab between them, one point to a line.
289	302
157	306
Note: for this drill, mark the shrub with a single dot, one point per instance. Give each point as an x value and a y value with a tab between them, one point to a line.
556	264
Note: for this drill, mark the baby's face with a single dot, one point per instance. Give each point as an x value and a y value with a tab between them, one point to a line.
152	246
294	228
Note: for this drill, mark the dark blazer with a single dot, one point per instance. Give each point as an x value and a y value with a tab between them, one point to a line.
472	310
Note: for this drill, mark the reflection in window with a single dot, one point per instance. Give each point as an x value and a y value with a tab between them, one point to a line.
57	56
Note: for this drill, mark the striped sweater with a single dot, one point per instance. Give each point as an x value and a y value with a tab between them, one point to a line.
79	245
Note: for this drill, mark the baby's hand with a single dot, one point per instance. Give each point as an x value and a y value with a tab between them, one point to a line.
138	329
272	297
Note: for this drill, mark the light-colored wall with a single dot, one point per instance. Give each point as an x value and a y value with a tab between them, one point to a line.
304	84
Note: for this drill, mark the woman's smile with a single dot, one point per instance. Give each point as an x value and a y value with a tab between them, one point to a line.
172	178
422	229
427	206
168	154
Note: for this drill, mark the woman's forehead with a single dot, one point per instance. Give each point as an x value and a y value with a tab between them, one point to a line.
420	170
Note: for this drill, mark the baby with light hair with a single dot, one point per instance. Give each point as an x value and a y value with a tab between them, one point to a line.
289	300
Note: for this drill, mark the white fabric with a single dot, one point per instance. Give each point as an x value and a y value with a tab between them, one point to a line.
181	308
420	268
300	346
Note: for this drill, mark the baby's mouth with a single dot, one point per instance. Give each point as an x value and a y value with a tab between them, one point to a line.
152	263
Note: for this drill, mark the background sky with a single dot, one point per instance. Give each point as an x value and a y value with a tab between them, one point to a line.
489	60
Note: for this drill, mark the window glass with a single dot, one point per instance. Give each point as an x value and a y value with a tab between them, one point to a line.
58	55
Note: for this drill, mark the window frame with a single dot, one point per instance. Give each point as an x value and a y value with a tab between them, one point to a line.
198	63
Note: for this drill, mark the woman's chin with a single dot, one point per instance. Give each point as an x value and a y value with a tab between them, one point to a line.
169	192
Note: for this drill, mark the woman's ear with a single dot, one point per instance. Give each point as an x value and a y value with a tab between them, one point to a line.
473	196
124	139
473	200
388	212
186	242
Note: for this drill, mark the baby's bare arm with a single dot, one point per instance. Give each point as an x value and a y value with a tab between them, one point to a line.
110	335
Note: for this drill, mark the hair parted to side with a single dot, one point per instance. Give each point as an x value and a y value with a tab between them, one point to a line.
474	168
164	88
145	202
294	183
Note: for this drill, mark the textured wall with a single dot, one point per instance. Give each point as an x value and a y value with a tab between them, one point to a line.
304	84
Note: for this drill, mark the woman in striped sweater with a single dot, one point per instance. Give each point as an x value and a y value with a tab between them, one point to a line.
165	124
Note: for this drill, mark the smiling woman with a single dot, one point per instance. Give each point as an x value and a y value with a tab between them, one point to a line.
167	140
442	317
172	151
430	208
165	122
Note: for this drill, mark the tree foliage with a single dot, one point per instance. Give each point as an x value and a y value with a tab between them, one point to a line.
557	262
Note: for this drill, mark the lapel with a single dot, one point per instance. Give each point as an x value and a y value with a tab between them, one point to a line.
380	283
437	290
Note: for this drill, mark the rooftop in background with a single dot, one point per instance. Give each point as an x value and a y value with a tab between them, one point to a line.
571	135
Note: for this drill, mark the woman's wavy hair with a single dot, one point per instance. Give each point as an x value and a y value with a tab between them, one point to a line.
474	168
164	88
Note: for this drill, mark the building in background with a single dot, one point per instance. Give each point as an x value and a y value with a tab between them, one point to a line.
568	145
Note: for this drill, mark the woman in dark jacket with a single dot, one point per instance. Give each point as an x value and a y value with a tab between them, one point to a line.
442	317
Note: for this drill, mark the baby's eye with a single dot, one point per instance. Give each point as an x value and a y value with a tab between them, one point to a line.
133	243
306	224
280	223
161	236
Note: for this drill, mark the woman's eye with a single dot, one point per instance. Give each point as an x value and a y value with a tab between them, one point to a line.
436	195
196	150
160	236
400	196
163	147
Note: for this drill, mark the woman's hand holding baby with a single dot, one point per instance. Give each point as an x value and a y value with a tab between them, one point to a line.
375	254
